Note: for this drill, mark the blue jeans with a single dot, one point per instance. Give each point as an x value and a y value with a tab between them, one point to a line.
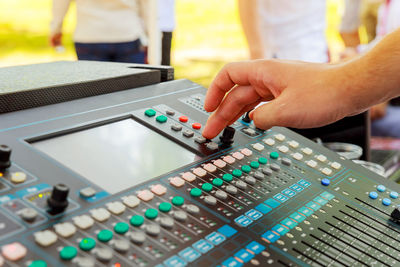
129	52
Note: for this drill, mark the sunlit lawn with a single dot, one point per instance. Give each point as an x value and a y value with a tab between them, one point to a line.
208	35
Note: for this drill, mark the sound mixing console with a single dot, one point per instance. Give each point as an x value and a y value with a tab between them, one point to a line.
126	179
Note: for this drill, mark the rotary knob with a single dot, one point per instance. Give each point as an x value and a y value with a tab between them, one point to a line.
58	200
227	135
5	153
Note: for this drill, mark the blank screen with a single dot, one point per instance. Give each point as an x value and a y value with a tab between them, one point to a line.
118	155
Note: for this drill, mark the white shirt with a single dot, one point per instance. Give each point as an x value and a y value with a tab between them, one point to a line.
294	29
166	15
103	21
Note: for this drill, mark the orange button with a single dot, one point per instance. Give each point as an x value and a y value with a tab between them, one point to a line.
183	119
196	126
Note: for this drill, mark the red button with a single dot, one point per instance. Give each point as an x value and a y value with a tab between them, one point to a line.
183	118
196	125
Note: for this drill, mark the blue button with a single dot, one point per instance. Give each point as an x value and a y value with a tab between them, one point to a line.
280	229
175	261
243	221
289	223
215	238
281	198
189	254
289	192
253	214
320	200
313	205
255	247
373	195
264	209
325	182
327	195
297	217
386	201
304	183
244	255
270	236
306	211
381	188
394	194
272	203
231	262
202	246
227	230
296	187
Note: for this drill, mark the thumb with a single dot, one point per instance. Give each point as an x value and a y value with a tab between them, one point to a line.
266	115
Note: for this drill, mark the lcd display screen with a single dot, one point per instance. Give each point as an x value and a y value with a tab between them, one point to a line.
118	155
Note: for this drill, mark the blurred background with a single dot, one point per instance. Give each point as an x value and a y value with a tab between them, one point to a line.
207	35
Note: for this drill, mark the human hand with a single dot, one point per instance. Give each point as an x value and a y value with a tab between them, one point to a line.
301	95
55	39
348	53
378	111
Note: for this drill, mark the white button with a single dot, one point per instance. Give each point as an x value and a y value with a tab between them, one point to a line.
210	167
45	238
115	207
247	152
200	172
321	158
307	151
269	141
283	149
176	181
132	201
100	214
145	195
238	155
293	144
326	171
312	163
18	177
83	221
336	165
65	229
220	163
159	189
258	147
279	137
14	251
229	159
189	177
297	156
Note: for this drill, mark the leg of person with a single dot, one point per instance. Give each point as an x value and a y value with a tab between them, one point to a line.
389	125
129	52
166	48
92	51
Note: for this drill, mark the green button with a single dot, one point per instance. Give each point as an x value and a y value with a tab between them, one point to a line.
178	200
254	164
87	243
68	253
165	206
121	228
207	187
195	192
150	112
151	214
137	220
262	160
274	155
227	177
38	263
105	235
217	181
161	118
246	168
237	173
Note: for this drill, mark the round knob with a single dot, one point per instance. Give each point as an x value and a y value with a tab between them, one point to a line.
396	214
246	117
58	201
227	135
5	153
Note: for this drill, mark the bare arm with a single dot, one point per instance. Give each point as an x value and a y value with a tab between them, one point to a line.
59	10
303	95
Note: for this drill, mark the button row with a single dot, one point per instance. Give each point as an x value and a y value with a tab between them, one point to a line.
244	255
163	119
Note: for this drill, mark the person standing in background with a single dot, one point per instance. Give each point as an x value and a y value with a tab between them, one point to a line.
106	30
285	29
166	24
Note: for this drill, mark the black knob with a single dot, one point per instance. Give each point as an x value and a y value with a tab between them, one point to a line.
396	214
5	153
58	201
227	135
246	117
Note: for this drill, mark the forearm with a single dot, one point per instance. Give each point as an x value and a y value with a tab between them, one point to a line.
59	10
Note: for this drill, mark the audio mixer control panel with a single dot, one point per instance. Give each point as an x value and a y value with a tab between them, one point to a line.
127	179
